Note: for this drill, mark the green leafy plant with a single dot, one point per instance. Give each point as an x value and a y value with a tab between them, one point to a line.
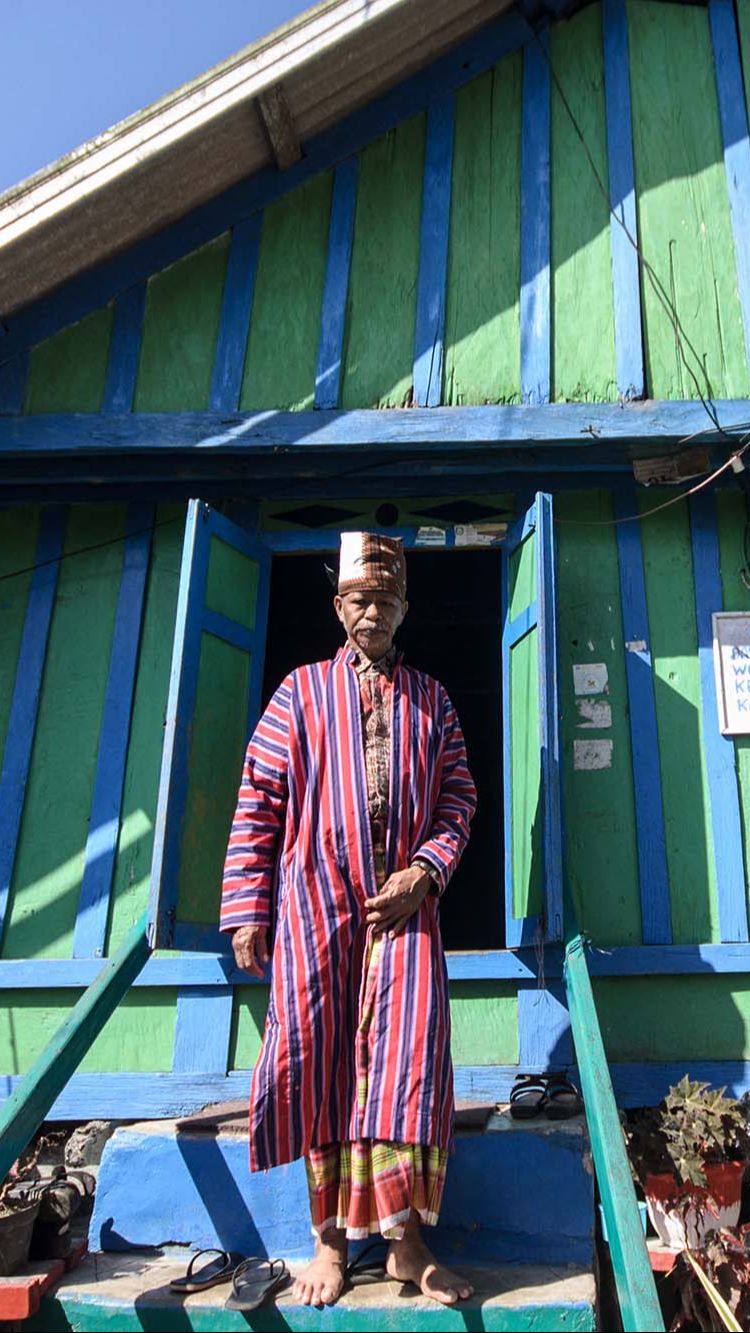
714	1284
692	1126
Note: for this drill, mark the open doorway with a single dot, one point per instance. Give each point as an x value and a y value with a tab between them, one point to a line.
453	632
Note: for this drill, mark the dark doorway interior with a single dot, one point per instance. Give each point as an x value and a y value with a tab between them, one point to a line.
453	632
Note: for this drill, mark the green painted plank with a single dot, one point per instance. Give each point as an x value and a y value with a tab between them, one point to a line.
526	779
218	738
482	322
701	1015
19	529
130	885
66	373
522	578
379	338
601	850
232	583
138	1037
731	512
683	208
30	1102
670	597
583	342
180	327
282	348
484	1023
50	858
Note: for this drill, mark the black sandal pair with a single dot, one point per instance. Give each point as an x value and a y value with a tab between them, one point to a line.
253	1280
551	1094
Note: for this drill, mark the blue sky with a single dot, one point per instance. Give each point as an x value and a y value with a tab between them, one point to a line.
72	68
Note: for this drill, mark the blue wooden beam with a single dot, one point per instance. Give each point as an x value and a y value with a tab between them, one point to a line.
104	825
19	741
124	350
336	285
656	921
730	92
13	375
624	223
202	1030
433	255
719	750
236	312
586	426
544	1037
535	224
100	284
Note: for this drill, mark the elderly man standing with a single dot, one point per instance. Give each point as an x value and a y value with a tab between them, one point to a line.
353	812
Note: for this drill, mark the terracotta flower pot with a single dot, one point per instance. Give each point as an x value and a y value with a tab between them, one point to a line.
680	1224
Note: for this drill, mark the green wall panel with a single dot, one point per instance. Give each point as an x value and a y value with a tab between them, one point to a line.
50	858
66	373
674	1018
138	1037
18	536
583	347
379	341
599	807
282	348
683	207
668	564
180	326
482	327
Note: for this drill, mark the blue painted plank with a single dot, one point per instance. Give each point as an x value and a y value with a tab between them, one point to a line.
535	224
525	621
24	707
336	285
549	719
236	311
101	283
124	350
13	375
586	427
433	255
718	749
104	826
224	628
656	921
625	275
544	1038
260	631
730	92
202	1030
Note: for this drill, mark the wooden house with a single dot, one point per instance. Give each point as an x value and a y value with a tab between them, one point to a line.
474	273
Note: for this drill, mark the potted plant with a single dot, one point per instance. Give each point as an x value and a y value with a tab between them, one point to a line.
714	1284
688	1154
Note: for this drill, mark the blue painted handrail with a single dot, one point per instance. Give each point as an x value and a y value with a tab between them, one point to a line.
634	1280
31	1101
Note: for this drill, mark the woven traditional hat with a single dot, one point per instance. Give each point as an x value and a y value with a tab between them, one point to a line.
368	560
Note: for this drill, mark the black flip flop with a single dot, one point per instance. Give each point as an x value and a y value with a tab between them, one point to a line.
254	1280
563	1099
218	1270
527	1096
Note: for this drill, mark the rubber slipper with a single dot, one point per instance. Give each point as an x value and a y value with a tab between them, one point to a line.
563	1099
254	1280
218	1270
527	1096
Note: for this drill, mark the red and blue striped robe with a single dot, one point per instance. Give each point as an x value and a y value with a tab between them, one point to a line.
300	858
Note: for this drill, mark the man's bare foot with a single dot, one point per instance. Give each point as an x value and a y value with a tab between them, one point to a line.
409	1260
321	1283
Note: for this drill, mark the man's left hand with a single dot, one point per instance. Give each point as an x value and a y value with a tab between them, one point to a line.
399	898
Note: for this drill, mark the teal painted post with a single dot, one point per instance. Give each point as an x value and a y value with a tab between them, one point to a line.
32	1099
636	1290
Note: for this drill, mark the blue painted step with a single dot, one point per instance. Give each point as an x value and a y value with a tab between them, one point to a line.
519	1192
115	1293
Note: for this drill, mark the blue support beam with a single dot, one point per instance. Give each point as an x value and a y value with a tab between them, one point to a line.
13	376
730	93
433	255
202	1030
19	741
104	826
535	224
124	350
624	223
336	285
236	312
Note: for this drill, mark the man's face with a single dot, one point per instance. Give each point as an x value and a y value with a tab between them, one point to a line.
371	619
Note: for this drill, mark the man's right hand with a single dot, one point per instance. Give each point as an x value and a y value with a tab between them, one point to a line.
250	944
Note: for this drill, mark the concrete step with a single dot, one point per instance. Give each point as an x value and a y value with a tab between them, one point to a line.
123	1292
520	1192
